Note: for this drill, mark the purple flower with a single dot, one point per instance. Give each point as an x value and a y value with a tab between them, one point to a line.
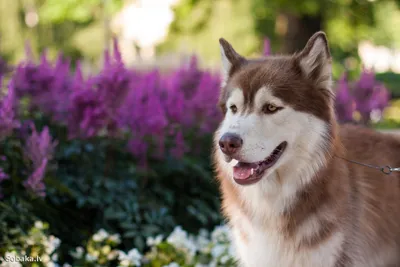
8	120
204	102
153	108
87	114
187	78
96	103
190	94
113	82
61	90
369	95
344	104
39	146
381	97
3	175
267	47
46	86
144	114
39	149
35	183
174	102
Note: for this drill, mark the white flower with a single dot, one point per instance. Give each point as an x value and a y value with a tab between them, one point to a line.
221	234
95	254
133	257
54	257
106	249
90	258
181	240
122	255
203	243
217	251
67	265
112	255
115	238
124	263
231	251
172	264
52	264
154	241
51	244
30	241
178	236
78	253
100	235
45	258
39	225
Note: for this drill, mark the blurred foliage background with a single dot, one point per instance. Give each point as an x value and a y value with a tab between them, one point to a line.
73	26
83	28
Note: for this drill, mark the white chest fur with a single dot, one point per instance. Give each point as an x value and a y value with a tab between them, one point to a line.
260	248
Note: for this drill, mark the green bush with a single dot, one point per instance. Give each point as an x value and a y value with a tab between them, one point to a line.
121	150
96	183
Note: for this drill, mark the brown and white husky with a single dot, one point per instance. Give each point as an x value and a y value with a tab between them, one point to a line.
289	193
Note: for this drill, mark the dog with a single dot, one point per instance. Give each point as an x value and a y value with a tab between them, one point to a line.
292	190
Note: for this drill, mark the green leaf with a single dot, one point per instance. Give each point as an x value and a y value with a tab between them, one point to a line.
130	234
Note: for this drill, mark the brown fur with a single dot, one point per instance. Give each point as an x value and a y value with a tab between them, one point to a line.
361	202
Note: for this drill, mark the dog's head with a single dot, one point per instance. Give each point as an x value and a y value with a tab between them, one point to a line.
278	113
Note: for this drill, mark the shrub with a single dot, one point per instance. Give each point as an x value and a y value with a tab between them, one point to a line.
124	150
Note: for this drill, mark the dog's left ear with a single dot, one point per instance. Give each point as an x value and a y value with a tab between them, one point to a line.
315	61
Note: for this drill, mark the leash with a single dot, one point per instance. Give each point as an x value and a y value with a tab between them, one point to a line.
385	169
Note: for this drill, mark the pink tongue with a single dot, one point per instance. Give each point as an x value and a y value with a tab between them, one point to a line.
242	170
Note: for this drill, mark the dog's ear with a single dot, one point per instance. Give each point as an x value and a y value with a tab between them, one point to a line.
315	61
231	60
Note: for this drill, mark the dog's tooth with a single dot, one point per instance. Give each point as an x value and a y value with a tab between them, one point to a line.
252	171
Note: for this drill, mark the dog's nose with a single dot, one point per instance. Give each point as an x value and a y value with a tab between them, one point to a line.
230	143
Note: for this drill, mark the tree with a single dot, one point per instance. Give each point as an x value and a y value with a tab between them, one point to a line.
68	25
288	23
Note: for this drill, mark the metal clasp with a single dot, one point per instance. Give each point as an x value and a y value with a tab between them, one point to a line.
387	170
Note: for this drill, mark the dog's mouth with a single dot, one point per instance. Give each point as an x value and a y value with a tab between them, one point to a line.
249	173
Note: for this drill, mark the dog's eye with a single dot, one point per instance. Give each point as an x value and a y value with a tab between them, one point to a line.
270	108
233	108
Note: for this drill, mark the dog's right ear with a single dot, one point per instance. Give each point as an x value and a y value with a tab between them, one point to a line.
316	62
231	60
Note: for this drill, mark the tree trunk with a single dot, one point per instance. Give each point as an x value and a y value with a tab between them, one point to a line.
299	28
